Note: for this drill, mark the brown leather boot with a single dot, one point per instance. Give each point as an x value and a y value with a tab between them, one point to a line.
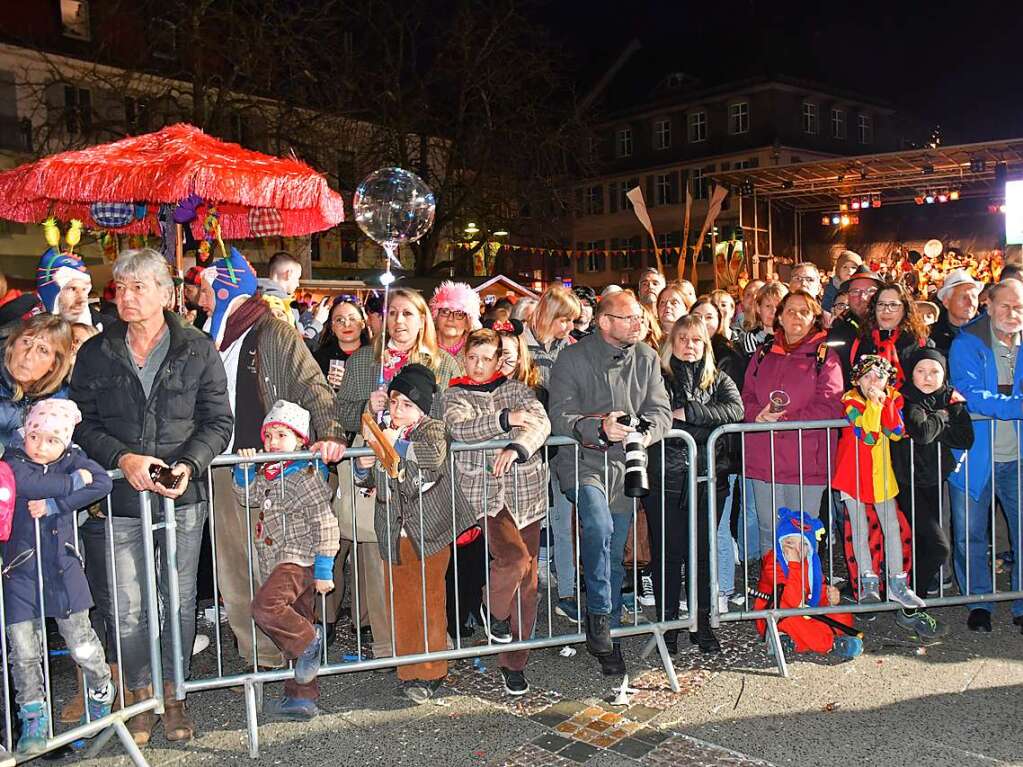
141	726
176	724
74	709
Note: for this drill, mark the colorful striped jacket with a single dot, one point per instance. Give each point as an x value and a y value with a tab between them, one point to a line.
863	464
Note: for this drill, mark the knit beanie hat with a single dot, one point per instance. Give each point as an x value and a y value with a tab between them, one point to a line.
56	270
457	296
290	415
869	362
233	281
57	417
416	382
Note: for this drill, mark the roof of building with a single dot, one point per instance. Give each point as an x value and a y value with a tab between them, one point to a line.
972	170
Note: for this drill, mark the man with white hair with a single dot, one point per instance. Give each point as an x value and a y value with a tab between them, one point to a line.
63	286
983	368
153	395
959	296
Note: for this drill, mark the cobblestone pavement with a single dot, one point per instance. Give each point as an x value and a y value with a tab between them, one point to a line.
952	703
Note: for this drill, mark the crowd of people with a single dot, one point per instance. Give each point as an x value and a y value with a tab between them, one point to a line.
159	391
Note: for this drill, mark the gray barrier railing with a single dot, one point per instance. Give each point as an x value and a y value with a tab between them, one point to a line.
966	577
252	677
101	730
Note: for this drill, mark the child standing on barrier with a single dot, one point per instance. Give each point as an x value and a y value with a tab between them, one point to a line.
54	479
937	420
418	514
791	577
296	539
863	475
507	488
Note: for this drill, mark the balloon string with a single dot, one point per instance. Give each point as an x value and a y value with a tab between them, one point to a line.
389	249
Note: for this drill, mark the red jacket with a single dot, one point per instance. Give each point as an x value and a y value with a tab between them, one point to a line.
808	634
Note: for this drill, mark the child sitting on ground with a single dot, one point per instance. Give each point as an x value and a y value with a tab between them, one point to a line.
863	475
296	539
54	479
792	572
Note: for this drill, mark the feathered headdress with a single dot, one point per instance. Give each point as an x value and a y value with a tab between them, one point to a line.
457	296
233	281
57	269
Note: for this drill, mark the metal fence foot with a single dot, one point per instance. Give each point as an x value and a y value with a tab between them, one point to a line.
100	742
251	716
134	753
775	639
669	665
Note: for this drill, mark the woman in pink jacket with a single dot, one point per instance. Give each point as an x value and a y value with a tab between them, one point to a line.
793	377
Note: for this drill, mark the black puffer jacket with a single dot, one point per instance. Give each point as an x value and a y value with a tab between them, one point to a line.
705	410
187	417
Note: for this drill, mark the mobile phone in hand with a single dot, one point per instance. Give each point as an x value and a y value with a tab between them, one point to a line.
164	476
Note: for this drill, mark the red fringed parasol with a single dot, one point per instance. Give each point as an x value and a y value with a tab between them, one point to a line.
254	194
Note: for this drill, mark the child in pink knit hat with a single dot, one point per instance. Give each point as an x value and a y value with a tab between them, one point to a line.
53	479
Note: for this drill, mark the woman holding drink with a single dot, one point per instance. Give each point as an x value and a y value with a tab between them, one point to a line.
344	334
793	377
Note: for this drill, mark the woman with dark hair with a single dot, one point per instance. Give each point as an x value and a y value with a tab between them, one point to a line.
795	377
728	359
892	329
345	332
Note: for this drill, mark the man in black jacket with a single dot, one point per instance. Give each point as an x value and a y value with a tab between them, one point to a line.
863	284
153	394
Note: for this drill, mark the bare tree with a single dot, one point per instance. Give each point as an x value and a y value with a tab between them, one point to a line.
475	98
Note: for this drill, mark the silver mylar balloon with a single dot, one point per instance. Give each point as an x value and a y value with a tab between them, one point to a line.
393	205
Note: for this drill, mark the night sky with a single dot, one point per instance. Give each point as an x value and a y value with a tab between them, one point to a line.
958	64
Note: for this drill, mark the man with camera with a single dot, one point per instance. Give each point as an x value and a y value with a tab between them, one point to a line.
604	389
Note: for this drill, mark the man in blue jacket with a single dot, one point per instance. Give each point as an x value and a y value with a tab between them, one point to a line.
983	368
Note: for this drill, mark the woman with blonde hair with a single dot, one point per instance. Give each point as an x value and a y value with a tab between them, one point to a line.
410	337
760	324
654	334
546	335
37	359
702	398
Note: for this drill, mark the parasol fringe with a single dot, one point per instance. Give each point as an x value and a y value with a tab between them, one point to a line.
165	167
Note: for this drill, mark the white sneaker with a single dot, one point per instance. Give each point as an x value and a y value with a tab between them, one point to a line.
722	604
201	643
646	596
683	607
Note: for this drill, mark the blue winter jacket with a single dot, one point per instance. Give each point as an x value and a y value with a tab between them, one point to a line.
974	373
65	589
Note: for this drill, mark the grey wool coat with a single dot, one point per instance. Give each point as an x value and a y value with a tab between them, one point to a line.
479	413
590	379
422	500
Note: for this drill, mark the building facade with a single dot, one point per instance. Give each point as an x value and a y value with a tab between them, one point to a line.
684	133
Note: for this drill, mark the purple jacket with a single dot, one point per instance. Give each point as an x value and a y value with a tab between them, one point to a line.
815	394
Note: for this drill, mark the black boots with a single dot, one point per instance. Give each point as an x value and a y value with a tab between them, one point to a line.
704	635
598	634
613	664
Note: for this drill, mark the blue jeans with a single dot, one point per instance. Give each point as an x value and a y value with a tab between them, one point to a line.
970	528
749	542
564	543
725	544
602	538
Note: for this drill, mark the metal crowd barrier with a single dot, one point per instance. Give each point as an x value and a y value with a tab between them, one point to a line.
252	677
828	558
100	730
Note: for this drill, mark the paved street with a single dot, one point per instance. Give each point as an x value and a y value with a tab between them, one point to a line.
955	703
